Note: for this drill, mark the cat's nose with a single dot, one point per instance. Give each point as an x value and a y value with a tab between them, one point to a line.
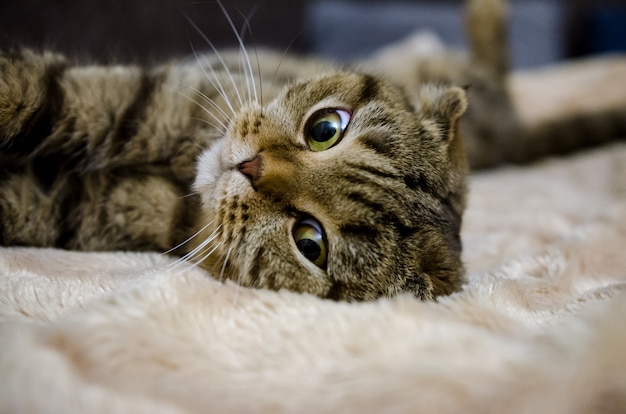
251	168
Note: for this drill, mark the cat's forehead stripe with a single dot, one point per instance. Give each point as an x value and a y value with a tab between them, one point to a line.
369	89
379	142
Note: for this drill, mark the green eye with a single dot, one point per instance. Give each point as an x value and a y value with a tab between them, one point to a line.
326	128
311	241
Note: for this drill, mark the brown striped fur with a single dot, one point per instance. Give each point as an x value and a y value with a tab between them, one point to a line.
131	158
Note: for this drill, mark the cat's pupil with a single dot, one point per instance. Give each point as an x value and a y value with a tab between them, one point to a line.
309	248
323	131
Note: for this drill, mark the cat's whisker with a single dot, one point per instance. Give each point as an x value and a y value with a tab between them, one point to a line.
244	74
187	240
209	101
193	265
199	250
218	128
246	25
195	144
242	49
192	255
215	80
224	264
197	262
222	127
282	58
219	57
193	193
258	68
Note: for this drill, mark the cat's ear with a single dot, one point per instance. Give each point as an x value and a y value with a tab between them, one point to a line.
443	104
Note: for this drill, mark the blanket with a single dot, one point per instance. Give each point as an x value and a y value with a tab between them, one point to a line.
539	326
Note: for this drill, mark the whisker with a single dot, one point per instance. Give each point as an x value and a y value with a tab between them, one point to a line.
190	237
204	121
193	265
247	25
241	63
242	48
190	256
218	55
206	256
214	78
193	193
222	128
224	264
282	58
208	100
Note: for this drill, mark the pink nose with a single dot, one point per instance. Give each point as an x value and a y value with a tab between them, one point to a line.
251	168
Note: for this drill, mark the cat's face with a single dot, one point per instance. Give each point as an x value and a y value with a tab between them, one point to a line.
340	188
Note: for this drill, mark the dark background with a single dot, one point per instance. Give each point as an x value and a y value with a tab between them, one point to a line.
541	31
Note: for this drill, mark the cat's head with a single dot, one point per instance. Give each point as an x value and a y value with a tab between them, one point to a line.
339	187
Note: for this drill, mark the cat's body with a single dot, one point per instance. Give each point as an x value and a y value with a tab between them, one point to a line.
295	174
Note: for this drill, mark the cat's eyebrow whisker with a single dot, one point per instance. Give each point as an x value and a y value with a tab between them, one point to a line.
246	25
282	58
242	48
258	68
243	73
218	55
215	80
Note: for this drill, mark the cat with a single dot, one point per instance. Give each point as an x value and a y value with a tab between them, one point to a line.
277	172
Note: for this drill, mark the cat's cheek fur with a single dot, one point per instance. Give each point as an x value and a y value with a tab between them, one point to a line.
209	168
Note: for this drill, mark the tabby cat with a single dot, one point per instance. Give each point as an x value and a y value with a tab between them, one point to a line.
289	173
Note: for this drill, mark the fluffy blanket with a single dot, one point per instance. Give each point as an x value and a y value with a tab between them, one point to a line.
539	327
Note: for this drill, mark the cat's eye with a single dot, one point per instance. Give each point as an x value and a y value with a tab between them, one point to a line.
325	128
311	241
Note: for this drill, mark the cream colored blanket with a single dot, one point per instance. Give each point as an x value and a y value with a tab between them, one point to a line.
539	328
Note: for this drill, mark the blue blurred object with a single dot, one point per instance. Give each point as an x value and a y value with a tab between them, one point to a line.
348	29
607	29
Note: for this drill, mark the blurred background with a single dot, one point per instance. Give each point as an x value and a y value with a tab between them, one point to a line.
143	31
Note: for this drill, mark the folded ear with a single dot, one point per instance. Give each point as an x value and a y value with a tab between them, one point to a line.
443	104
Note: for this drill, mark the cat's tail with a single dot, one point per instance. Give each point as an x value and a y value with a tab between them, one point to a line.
567	107
487	31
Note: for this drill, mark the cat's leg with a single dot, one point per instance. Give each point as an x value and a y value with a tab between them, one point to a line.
102	117
96	157
568	107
